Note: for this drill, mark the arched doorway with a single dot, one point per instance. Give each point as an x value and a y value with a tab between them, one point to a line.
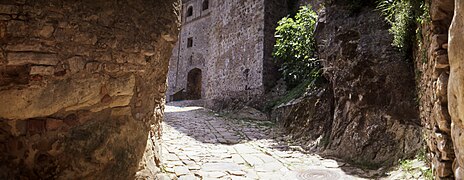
194	84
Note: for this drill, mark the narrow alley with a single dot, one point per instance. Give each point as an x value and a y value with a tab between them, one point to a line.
199	144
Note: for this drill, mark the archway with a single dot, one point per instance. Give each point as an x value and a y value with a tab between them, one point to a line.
194	84
189	11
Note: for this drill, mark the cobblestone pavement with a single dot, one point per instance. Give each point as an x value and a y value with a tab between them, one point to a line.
199	144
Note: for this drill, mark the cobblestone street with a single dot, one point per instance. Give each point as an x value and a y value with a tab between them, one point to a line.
199	144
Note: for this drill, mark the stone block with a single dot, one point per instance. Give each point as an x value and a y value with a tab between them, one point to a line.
93	66
442	168
3	30
18	29
85	38
445	46
431	142
445	146
441	62
28	47
35	126
22	58
9	9
442	10
54	124
438	40
42	70
442	88
441	117
110	67
46	31
76	64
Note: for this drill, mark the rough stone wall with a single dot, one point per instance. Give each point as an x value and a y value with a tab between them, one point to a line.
375	118
432	74
456	86
81	85
235	69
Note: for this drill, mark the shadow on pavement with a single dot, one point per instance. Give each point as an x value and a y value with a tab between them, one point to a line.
208	127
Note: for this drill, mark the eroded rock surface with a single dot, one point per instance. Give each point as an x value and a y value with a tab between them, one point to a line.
307	117
375	118
456	86
80	82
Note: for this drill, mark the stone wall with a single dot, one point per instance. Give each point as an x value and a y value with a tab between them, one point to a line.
230	48
432	74
81	85
235	67
184	59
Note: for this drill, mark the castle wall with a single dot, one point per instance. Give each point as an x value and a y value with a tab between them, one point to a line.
232	45
183	59
235	70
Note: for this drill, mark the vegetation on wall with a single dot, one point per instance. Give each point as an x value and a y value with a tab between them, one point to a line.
295	47
405	18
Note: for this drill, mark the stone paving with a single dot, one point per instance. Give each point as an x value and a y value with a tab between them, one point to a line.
199	144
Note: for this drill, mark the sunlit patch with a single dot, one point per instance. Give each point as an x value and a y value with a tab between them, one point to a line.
180	109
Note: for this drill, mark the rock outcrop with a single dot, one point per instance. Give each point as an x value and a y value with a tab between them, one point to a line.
82	84
375	118
456	86
308	117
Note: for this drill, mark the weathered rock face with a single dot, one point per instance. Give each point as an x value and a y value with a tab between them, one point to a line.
456	86
375	118
432	74
307	117
80	82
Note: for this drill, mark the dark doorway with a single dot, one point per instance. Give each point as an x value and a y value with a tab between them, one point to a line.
194	84
205	5
190	11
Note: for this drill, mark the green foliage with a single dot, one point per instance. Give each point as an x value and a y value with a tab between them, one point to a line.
406	165
428	174
295	47
405	18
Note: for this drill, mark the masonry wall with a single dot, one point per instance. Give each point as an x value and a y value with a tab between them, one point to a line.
82	86
233	44
432	74
235	70
184	59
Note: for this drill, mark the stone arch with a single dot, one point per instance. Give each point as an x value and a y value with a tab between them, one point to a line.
189	11
194	84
